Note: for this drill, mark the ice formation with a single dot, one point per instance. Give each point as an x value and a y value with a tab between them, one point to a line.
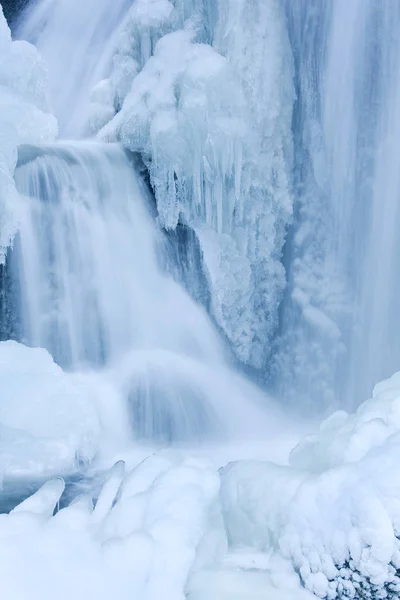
334	513
24	118
218	160
139	540
280	228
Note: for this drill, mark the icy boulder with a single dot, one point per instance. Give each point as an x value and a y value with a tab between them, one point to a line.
51	421
213	124
24	118
139	540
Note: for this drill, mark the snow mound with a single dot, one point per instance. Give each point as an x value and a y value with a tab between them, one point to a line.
24	118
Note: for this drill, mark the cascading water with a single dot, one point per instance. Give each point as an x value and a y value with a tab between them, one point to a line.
77	40
91	291
90	285
91	288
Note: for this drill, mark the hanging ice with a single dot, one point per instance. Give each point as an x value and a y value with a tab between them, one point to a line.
219	158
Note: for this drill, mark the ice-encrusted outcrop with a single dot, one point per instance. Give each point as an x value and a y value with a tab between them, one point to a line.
24	118
213	124
334	514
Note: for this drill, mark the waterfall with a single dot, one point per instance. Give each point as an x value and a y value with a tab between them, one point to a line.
90	284
92	291
315	319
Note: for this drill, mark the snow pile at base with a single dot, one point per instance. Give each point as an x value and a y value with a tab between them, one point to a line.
50	421
335	515
24	118
327	526
139	540
212	122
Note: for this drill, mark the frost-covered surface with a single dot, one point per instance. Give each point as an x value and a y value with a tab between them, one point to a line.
219	158
334	515
24	118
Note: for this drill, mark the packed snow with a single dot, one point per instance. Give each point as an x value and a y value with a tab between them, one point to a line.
333	514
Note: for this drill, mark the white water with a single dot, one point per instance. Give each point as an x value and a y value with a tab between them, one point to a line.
91	286
77	39
92	293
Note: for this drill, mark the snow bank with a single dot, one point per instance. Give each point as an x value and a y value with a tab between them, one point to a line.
139	541
334	515
213	124
24	118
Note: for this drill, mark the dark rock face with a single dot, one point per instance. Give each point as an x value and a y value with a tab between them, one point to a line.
12	8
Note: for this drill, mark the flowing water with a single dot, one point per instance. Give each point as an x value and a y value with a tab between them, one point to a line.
92	292
77	40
